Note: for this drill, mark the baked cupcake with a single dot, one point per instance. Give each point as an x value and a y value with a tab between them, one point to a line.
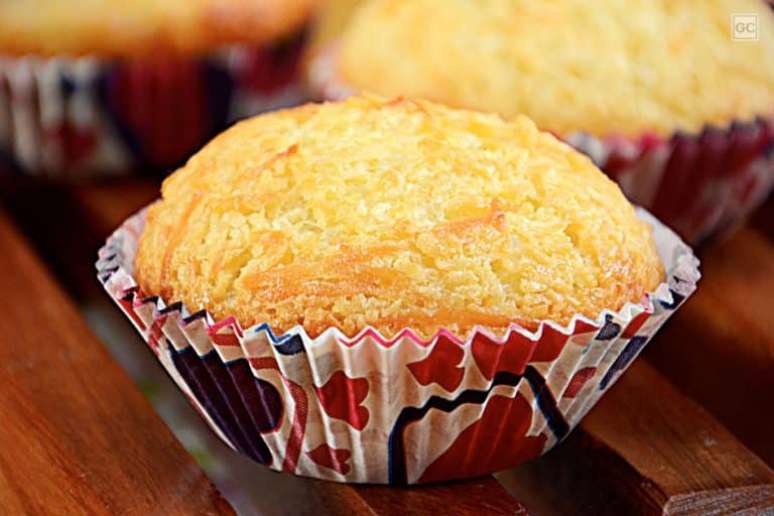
664	96
319	279
100	87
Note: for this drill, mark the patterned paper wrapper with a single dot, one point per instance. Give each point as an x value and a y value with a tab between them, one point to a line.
70	118
701	185
398	410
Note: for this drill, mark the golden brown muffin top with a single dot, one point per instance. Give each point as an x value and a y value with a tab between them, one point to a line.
393	214
604	67
121	28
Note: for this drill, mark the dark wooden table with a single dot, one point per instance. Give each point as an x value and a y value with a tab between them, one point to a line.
689	429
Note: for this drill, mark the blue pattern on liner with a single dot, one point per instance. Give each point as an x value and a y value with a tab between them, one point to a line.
396	455
610	330
293	346
676	300
633	347
218	392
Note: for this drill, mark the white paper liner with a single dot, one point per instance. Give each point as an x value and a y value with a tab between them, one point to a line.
398	410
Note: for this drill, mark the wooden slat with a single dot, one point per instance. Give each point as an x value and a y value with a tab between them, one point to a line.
477	496
719	348
471	497
647	449
76	435
106	205
465	498
677	446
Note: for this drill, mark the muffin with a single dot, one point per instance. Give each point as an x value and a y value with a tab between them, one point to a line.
318	279
659	94
104	87
392	215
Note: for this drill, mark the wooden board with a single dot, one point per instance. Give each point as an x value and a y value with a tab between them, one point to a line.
468	498
647	449
76	435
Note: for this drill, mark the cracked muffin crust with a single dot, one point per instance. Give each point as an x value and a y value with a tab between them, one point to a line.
394	214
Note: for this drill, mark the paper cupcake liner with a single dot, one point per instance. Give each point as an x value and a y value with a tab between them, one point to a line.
78	117
399	410
701	185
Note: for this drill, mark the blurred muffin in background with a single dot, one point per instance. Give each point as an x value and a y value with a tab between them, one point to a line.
329	23
667	97
100	87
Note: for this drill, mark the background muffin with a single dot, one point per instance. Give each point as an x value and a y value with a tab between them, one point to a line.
394	214
329	23
617	67
618	79
142	28
100	86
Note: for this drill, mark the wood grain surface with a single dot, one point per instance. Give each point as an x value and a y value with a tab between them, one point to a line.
719	348
76	435
687	431
647	449
471	497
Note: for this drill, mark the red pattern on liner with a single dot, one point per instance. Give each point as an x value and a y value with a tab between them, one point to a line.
75	143
225	332
164	102
511	356
494	442
333	458
127	303
300	412
634	326
156	333
441	365
341	398
700	184
584	327
577	381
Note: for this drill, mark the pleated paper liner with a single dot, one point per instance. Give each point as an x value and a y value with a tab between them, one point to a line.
702	185
70	118
398	410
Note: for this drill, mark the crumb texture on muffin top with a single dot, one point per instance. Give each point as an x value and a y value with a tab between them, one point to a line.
605	67
393	214
145	28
